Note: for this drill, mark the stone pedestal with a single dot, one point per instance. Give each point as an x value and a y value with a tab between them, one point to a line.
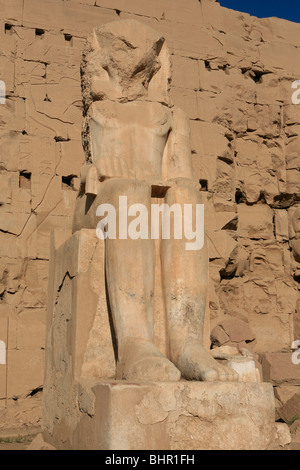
85	408
177	416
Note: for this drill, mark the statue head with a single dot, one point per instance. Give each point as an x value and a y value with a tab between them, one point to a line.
125	61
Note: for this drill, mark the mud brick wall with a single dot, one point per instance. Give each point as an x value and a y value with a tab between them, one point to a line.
233	75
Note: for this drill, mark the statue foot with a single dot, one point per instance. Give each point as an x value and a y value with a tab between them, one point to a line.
141	361
195	363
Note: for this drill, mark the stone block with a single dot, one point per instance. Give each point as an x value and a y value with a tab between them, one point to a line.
220	245
246	369
188	13
8	326
25	372
185	73
283	434
139	7
290	411
186	100
296	321
2	381
225	185
31	329
217	16
237	330
212	81
247	152
72	158
255	221
38	443
205	168
292	181
284	392
12	11
218	336
170	416
272	330
280	28
281	225
278	368
73	18
209	139
295	432
226	221
5	191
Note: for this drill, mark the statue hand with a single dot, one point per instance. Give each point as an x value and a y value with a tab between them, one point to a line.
108	167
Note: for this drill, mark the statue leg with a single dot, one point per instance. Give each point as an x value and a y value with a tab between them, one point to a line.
185	277
130	266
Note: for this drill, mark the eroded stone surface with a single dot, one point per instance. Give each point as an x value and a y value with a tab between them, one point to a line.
245	67
137	147
90	414
183	416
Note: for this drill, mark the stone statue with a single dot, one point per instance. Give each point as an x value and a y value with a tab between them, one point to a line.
137	145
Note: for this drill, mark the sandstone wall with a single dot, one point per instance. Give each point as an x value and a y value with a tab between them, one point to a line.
233	75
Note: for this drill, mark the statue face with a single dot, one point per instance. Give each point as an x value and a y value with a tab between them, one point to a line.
126	60
129	66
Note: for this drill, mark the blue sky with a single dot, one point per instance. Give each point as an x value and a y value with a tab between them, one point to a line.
288	9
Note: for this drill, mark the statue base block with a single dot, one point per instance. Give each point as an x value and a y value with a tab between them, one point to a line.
170	416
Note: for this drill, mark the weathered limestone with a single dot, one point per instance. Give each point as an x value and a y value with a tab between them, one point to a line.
174	416
241	360
290	411
244	67
235	330
137	146
296	234
107	297
92	412
295	437
278	368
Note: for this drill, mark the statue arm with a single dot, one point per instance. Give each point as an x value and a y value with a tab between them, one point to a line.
101	167
177	158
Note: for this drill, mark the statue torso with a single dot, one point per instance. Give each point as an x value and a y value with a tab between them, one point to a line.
136	132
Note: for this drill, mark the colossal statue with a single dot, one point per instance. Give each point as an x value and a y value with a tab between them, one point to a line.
126	314
137	145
